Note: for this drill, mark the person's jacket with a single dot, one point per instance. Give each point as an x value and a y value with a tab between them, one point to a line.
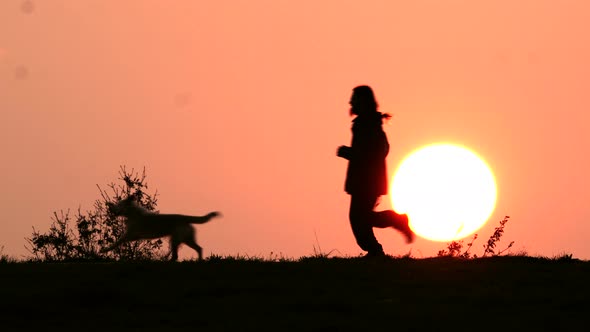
367	172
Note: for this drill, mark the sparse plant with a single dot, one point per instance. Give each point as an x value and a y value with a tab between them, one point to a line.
494	238
238	257
317	249
466	254
278	257
564	257
98	228
5	258
454	248
56	245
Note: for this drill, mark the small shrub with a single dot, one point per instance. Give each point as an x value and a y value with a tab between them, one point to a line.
5	258
564	257
454	248
84	237
491	244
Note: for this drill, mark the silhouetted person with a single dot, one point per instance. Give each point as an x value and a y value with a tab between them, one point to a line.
366	176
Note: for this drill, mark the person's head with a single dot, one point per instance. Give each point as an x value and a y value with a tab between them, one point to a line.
362	100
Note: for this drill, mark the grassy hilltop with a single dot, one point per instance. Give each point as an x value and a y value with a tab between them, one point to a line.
311	294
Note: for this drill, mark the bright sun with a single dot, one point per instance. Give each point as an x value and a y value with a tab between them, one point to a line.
447	191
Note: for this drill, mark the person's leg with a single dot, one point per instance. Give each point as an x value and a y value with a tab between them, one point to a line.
361	216
389	218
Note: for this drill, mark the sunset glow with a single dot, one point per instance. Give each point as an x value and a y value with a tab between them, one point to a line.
240	106
447	191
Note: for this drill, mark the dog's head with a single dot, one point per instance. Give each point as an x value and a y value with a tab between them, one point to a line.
121	207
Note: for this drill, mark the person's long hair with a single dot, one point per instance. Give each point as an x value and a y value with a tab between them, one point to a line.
365	96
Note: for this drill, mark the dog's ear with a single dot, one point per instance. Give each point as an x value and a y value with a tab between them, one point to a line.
111	207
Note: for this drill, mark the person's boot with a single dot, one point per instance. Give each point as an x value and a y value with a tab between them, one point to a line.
404	227
401	223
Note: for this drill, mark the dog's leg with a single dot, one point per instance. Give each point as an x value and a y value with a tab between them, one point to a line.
193	244
174	244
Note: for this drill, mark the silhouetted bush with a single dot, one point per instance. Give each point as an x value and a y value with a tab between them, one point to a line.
454	248
5	258
94	230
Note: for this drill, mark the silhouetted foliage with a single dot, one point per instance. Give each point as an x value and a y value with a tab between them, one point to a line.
454	248
498	232
94	230
5	258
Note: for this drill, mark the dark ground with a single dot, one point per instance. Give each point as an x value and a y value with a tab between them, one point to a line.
437	294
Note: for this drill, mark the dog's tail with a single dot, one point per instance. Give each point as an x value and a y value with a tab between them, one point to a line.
205	218
190	219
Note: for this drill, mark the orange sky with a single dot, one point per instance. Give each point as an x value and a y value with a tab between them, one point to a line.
239	106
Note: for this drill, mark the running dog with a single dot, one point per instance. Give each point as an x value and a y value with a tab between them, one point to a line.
142	224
